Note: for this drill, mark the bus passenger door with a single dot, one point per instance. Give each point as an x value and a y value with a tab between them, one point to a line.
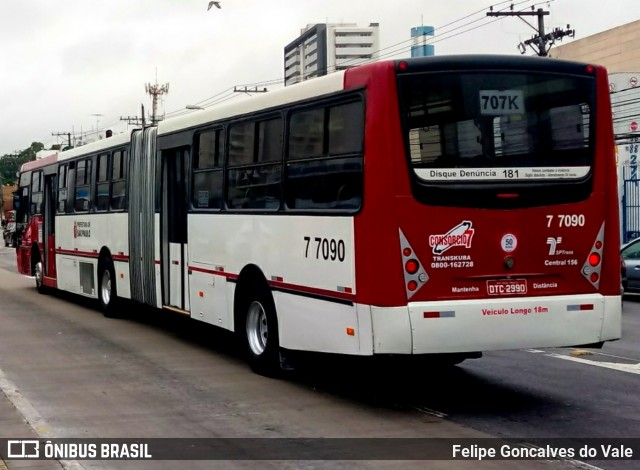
175	289
49	226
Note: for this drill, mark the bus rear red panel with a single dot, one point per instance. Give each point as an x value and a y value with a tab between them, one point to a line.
514	247
470	254
377	257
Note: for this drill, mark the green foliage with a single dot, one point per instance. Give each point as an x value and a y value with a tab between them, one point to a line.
10	163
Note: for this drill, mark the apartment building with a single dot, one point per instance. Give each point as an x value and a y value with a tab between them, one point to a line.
324	48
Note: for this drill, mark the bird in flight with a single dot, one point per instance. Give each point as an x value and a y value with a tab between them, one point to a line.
217	4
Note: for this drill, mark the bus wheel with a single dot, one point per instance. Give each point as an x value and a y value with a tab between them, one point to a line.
107	289
261	335
38	273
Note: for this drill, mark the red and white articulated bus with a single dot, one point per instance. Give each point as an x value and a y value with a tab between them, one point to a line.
440	206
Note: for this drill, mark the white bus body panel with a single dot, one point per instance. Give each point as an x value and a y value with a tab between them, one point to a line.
175	277
123	284
316	325
221	245
185	275
68	265
276	245
79	239
209	301
496	324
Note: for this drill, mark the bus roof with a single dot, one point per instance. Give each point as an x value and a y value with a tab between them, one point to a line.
39	163
106	143
306	89
498	61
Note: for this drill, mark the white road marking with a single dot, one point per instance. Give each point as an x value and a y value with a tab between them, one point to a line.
575	463
424	409
631	368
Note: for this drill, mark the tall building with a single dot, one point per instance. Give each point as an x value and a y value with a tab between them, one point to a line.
324	48
420	36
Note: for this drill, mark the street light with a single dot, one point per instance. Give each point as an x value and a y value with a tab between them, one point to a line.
97	116
193	106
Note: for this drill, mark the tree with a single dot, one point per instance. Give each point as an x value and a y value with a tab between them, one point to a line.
10	163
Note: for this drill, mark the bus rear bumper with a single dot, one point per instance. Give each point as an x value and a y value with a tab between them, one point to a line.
496	324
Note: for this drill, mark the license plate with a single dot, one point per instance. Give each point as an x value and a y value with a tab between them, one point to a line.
507	287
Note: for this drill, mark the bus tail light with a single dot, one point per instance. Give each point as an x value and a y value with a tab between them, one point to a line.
412	266
414	274
593	265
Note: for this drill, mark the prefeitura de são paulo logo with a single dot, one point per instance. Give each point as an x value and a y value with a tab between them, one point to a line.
460	235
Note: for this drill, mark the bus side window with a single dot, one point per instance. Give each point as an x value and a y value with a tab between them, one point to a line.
102	183
206	192
63	172
254	169
83	185
118	180
22	215
36	193
324	163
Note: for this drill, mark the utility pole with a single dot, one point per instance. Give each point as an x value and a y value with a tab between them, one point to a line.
540	43
155	91
63	134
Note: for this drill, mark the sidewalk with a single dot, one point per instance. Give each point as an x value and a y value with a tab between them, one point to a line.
13	426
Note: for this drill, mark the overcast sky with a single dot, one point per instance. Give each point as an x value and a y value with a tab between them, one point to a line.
61	63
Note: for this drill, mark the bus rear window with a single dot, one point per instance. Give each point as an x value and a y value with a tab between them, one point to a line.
473	127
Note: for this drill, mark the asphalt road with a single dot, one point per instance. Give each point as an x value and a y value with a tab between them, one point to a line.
78	374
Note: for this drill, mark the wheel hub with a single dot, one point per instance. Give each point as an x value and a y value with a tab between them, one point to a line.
257	328
38	273
105	287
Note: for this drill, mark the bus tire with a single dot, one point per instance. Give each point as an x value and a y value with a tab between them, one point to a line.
38	274
260	333
107	294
